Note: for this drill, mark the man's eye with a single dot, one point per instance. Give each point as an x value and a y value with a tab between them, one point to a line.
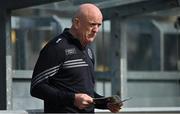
93	24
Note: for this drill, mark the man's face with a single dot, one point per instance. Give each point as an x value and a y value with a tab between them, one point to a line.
89	27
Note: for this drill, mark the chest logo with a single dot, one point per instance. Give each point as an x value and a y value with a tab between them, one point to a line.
70	51
90	53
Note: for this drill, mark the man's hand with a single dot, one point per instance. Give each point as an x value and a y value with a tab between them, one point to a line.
83	100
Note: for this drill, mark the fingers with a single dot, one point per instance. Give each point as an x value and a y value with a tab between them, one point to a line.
83	105
83	101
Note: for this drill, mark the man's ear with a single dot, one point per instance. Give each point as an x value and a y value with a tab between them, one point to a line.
76	23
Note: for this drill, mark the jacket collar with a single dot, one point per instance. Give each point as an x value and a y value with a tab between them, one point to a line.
72	39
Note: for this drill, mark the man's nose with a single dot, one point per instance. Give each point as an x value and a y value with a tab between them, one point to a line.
96	28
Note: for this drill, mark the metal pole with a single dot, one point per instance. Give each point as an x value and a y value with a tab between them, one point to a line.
115	56
3	104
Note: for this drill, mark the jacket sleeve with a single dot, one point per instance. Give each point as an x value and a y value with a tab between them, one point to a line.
47	66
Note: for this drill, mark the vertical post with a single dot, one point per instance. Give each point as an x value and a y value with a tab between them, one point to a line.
3	104
8	60
5	49
115	56
123	66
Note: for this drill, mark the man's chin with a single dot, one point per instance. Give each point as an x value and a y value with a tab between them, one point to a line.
90	41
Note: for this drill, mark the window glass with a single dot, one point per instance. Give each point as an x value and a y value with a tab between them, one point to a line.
142	51
171	52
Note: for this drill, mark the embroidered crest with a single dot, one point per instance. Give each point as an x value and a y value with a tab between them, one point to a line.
70	51
90	53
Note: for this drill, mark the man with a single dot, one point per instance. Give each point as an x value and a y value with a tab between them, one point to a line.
64	74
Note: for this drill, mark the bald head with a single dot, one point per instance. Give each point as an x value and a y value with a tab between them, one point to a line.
88	10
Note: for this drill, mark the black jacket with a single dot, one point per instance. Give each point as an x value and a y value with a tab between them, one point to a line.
63	68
